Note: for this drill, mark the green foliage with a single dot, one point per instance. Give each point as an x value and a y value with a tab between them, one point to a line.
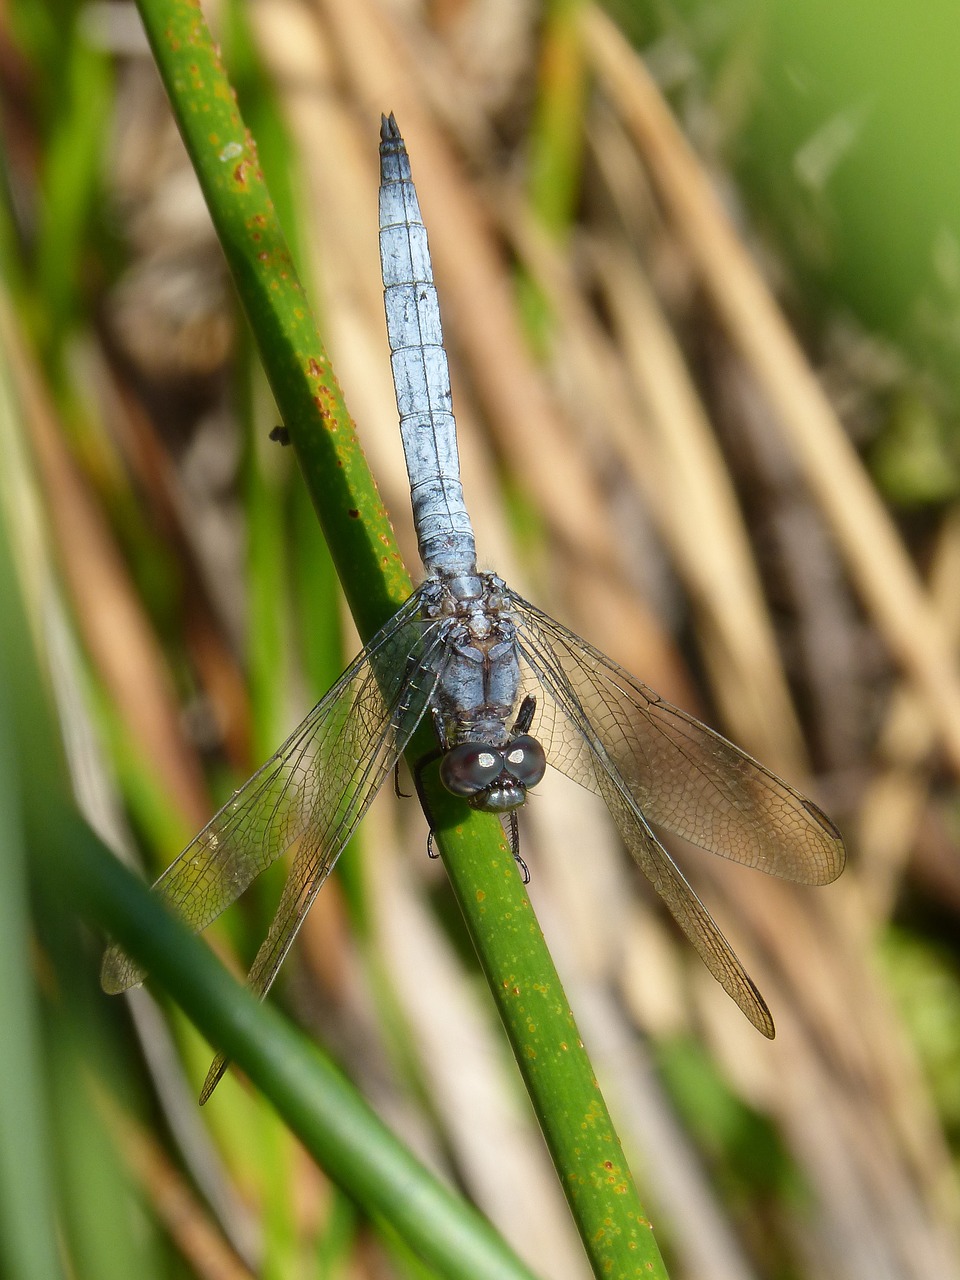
742	1146
841	124
925	981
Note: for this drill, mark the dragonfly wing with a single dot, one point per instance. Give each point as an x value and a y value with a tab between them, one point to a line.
679	774
310	870
313	792
684	905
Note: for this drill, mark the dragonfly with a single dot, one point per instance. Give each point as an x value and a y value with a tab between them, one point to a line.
508	690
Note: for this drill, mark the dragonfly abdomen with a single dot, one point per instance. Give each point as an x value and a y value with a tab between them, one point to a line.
420	372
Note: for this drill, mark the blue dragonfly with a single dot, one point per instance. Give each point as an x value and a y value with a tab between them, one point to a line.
508	690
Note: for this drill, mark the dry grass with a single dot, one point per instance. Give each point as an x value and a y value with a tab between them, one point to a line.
668	477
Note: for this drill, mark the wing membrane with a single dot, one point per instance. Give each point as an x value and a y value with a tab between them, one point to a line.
314	791
679	774
684	905
578	747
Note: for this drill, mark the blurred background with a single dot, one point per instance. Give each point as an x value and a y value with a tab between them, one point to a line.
708	392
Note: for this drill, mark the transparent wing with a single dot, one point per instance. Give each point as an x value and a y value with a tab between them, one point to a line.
676	772
684	905
649	760
313	793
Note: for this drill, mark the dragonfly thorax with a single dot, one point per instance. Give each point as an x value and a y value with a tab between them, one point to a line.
467	594
476	660
477	692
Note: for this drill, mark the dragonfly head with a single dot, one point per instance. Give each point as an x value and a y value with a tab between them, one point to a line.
494	779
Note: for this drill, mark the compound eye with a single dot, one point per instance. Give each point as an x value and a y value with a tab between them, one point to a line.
524	760
470	767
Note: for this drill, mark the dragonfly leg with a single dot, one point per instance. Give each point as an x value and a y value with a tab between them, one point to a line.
418	771
401	795
514	836
281	435
409	684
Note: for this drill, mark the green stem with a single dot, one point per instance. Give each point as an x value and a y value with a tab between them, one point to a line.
585	1148
224	155
543	1034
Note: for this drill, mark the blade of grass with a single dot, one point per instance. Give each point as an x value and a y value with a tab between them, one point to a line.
267	630
169	1192
554	145
81	94
27	1230
89	1171
558	1073
27	1180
